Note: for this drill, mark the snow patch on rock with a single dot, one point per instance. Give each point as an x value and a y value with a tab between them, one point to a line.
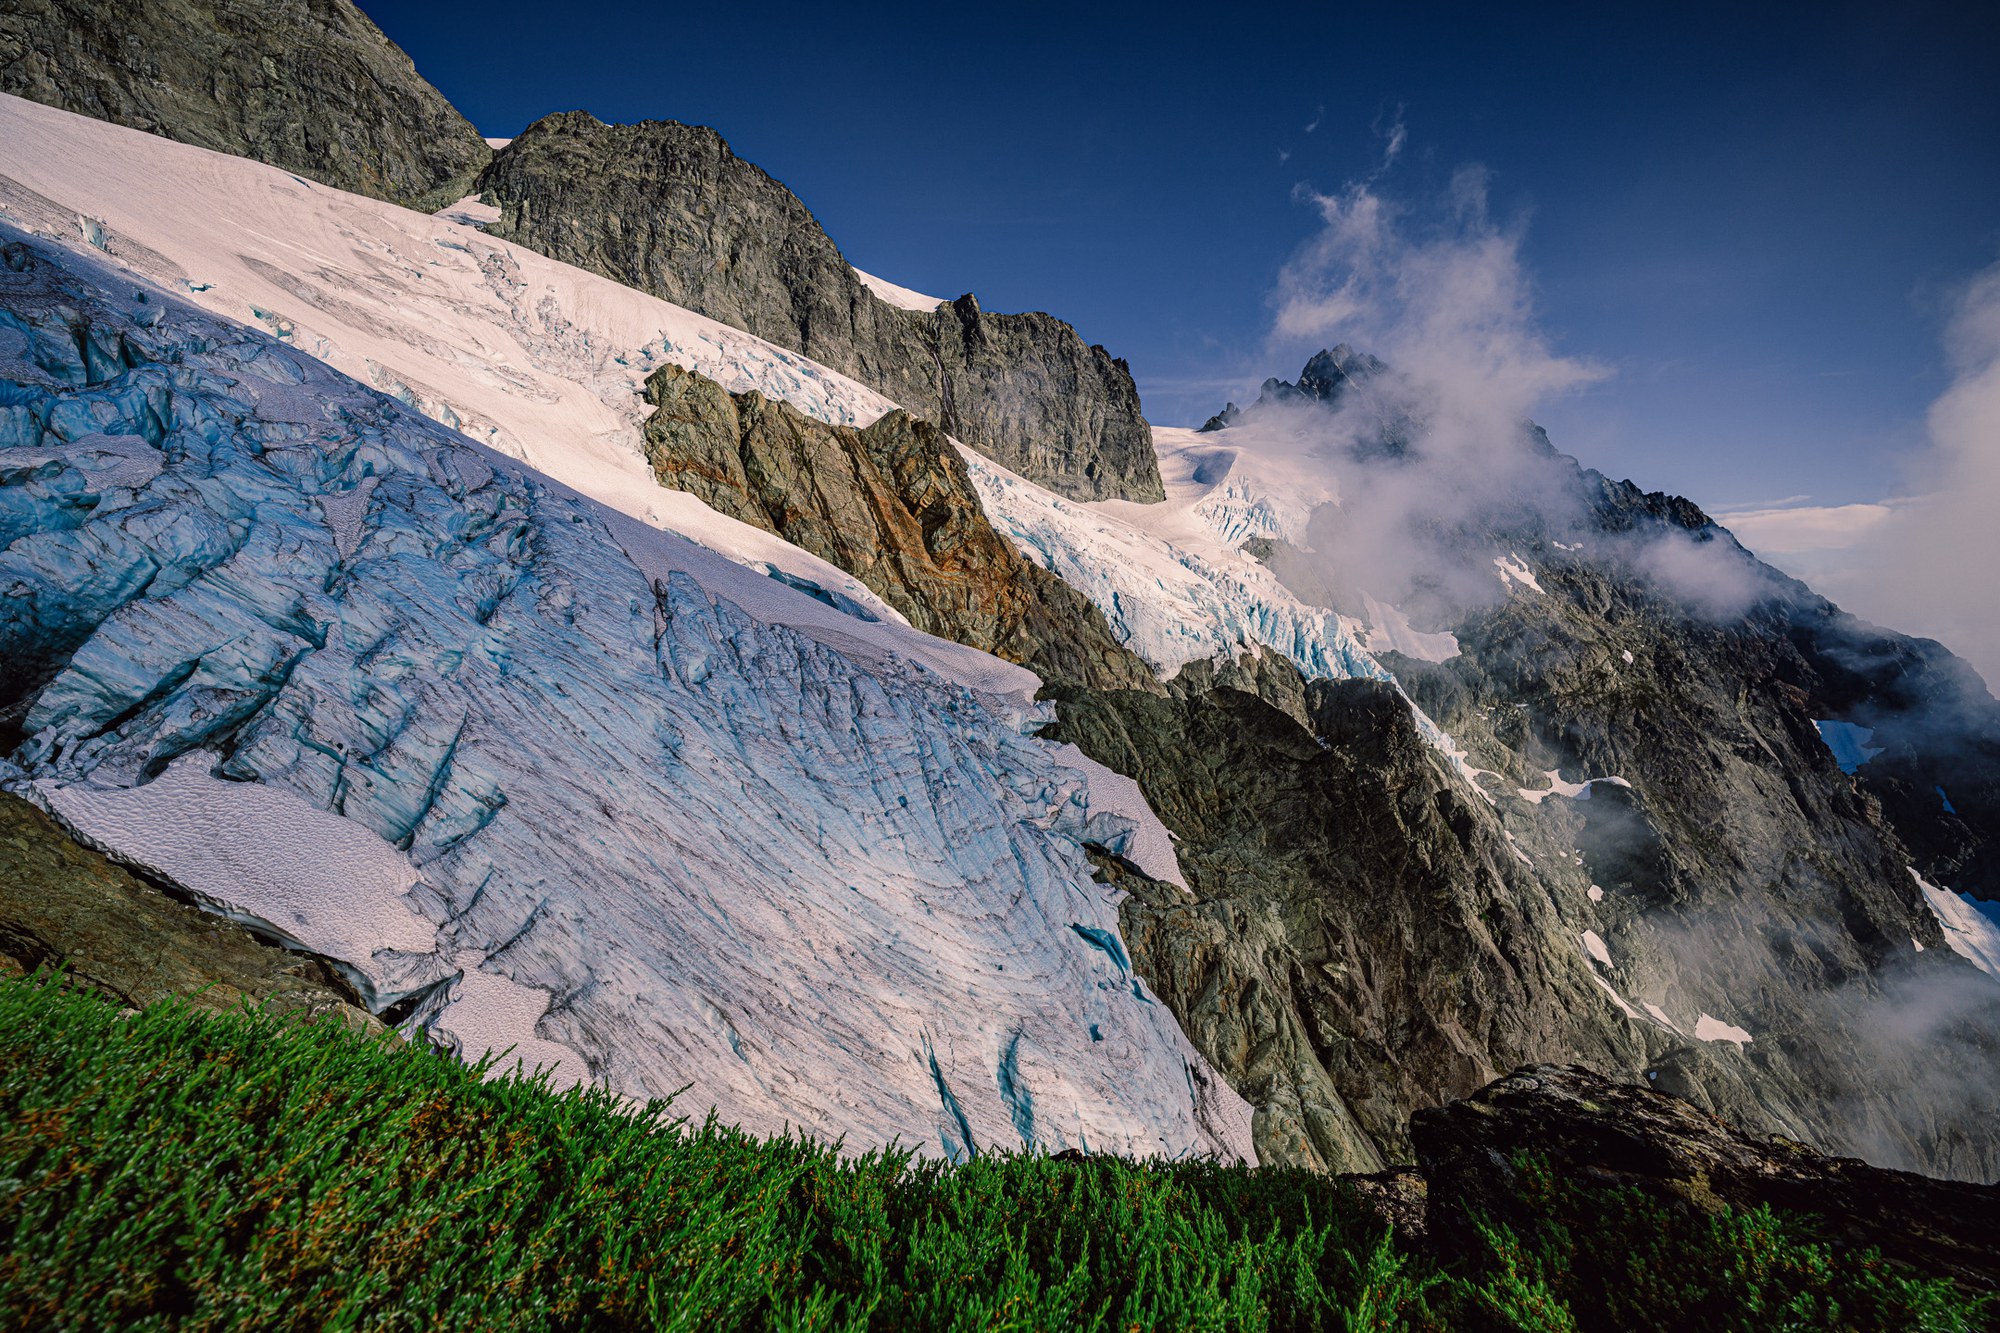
1848	742
1514	571
903	298
1971	934
1708	1028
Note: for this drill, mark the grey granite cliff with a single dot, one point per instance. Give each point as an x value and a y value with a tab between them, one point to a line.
669	209
308	85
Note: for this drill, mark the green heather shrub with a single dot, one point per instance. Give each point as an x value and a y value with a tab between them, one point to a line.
184	1170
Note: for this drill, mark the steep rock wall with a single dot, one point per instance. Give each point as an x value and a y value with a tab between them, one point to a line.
669	209
889	503
308	85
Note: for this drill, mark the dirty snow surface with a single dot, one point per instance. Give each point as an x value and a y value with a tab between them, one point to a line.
628	805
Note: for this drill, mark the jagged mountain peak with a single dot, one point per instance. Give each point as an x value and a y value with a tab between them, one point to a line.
1328	374
668	209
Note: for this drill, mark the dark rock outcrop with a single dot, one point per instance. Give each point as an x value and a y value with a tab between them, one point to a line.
64	905
1327	378
669	209
1360	941
892	505
1370	932
308	85
1367	935
1593	1132
1938	732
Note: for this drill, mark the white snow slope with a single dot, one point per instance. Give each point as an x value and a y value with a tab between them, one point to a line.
545	362
667	820
1172	578
542	361
901	297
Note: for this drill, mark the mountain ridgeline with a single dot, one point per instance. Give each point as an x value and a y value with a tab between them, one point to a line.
1370	933
890	504
669	209
308	85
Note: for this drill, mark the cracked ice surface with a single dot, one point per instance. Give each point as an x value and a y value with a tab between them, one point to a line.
656	810
1174	584
1172	590
540	360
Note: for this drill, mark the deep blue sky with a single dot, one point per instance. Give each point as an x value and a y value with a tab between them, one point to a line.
1752	217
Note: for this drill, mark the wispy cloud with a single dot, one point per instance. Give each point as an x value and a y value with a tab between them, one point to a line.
1794	529
1437	289
1319	114
1443	296
1928	562
1393	140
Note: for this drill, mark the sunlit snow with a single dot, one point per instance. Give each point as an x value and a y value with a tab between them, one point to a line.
901	297
1972	935
667	817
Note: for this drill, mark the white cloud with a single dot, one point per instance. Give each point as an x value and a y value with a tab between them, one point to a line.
1926	564
1446	301
1398	135
1439	293
1795	529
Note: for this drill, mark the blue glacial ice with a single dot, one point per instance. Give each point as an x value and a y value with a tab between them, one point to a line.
256	610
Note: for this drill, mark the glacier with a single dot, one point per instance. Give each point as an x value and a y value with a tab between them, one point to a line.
541	361
546	773
545	363
1172	578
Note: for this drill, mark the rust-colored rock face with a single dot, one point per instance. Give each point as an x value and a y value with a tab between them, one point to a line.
892	505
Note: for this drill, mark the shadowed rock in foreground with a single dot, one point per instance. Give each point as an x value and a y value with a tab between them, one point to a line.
1593	1132
63	904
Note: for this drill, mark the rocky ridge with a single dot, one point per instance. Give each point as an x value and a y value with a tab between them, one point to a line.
1593	1132
669	209
1654	864
1731	770
312	86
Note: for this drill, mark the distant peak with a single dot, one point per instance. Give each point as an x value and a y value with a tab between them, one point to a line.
1329	374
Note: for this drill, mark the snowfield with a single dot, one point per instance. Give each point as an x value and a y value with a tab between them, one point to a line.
628	804
1172	578
545	363
900	297
539	360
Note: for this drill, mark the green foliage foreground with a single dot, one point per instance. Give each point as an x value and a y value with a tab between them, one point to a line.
176	1169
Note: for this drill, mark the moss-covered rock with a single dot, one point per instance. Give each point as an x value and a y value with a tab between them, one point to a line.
64	905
